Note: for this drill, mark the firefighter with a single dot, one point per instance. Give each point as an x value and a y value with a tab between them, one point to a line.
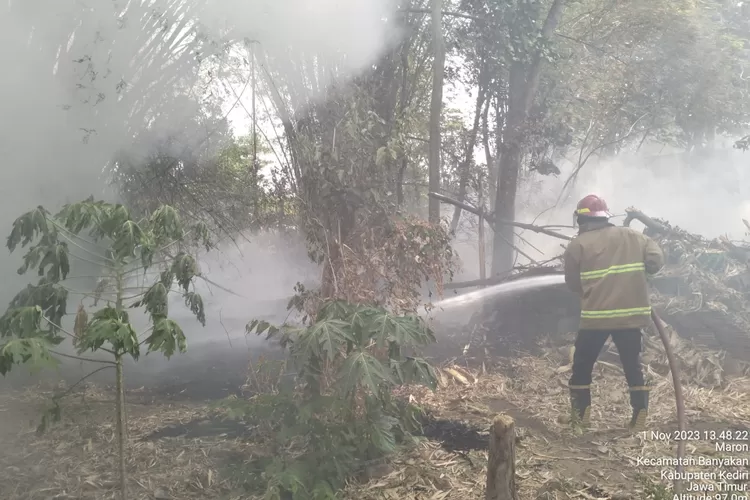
607	266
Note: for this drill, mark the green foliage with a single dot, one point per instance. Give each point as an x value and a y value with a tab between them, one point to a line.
121	247
342	414
222	185
32	351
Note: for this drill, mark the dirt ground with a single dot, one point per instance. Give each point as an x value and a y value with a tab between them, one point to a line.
177	452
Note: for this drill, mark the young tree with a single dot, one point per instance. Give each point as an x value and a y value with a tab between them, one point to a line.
127	252
343	413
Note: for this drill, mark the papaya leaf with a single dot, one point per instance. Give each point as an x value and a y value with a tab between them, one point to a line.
362	369
322	341
419	371
401	330
381	432
155	301
127	239
195	303
166	337
108	325
184	269
33	352
201	235
167	225
259	326
27	227
22	322
336	309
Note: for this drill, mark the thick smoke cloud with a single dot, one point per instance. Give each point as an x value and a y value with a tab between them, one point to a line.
85	80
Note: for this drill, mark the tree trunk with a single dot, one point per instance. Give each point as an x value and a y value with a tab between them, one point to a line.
436	105
482	247
465	167
488	153
501	467
523	82
121	429
500	105
508	172
403	101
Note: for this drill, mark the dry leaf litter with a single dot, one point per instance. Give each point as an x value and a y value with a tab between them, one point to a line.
76	459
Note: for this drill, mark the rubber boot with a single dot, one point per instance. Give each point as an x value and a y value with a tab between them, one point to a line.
639	402
580	402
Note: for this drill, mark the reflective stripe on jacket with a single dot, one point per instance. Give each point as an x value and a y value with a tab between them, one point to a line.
607	266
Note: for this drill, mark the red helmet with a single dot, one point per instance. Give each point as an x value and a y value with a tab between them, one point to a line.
592	206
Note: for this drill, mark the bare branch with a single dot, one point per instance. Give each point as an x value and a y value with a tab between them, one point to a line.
78	358
490	217
645	219
582	161
445	14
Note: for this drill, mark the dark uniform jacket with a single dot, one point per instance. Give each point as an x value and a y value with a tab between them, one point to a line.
607	266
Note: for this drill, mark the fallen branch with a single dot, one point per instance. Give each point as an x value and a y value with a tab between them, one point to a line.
490	217
634	214
501	466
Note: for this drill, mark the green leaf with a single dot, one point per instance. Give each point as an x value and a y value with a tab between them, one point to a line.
126	239
108	325
87	214
166	337
419	371
166	225
21	322
335	309
381	432
27	227
259	326
195	303
51	298
33	352
155	301
184	269
362	320
167	278
201	235
324	339
323	491
404	331
362	369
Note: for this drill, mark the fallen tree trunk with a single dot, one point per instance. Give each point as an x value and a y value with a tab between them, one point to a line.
501	467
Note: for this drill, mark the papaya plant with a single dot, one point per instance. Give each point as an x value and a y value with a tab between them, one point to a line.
137	263
340	414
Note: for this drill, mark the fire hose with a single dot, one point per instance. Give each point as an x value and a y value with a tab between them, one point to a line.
678	395
632	213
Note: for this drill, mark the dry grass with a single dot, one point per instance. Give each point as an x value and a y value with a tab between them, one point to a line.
76	459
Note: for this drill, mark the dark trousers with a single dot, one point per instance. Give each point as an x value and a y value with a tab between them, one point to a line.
589	344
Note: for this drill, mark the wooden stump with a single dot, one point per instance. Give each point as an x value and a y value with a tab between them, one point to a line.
501	468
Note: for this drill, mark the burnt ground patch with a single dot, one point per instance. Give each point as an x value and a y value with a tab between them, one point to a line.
453	435
201	428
